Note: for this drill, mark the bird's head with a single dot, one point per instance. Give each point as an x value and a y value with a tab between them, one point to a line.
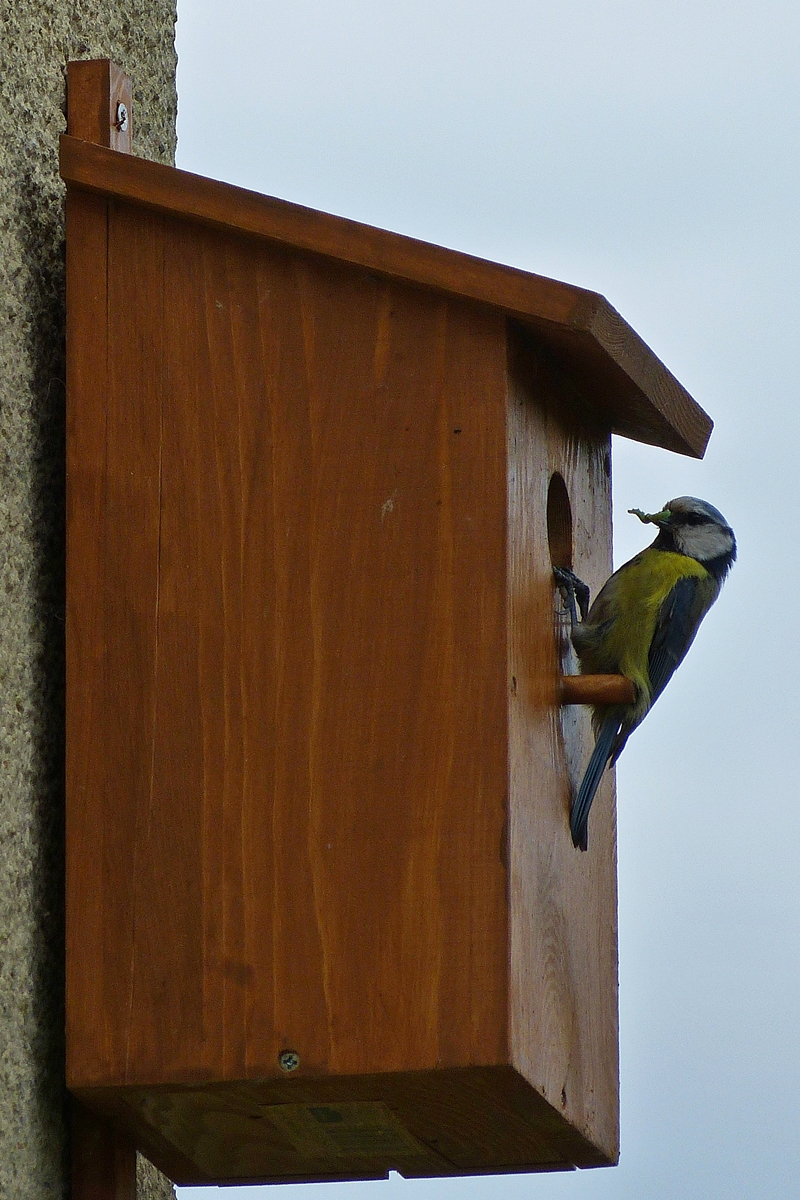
694	527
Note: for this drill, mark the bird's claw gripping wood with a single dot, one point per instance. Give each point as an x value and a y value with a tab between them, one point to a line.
572	588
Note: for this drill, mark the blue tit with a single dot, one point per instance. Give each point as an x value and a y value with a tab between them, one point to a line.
643	621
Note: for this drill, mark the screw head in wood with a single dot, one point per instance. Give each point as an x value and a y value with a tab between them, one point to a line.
289	1060
121	119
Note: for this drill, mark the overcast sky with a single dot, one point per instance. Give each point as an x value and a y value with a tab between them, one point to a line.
647	150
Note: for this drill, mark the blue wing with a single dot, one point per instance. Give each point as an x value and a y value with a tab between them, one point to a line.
676	626
678	622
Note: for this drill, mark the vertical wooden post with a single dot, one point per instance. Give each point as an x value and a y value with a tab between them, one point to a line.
103	1161
99	104
99	109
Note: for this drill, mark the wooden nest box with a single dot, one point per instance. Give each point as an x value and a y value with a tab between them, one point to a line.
325	918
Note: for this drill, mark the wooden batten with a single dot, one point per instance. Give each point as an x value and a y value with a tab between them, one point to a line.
324	914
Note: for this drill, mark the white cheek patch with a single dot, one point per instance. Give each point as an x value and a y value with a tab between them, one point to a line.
704	542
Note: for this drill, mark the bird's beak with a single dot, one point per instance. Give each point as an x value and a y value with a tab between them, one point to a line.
660	518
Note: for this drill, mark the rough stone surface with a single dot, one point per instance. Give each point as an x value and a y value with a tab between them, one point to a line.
150	1183
37	38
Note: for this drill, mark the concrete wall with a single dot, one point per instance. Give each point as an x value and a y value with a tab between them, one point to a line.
37	37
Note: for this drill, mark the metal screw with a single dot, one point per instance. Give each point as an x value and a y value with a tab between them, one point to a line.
289	1060
121	121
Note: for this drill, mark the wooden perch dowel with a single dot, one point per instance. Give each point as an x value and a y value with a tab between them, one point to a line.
597	689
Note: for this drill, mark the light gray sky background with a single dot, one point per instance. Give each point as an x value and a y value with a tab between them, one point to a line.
647	149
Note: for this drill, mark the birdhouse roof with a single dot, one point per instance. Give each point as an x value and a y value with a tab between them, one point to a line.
623	381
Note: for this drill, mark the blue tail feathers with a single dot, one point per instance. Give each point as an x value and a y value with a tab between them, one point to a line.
579	817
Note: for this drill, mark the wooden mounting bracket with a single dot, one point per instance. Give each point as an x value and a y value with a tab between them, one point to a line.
99	109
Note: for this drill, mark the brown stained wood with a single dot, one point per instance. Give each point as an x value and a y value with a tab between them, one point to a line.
113	548
597	689
95	90
608	394
103	1160
562	902
621	379
447	1122
301	628
636	368
87	520
288	766
318	768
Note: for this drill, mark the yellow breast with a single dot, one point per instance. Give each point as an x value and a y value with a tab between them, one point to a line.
628	607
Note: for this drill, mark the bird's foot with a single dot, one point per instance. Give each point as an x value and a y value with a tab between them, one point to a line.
572	588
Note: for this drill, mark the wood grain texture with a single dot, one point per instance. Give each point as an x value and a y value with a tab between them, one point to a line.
103	1160
459	1122
629	387
95	88
318	770
564	1022
299	629
87	354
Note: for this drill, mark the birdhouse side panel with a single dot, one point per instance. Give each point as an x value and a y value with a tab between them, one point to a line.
563	902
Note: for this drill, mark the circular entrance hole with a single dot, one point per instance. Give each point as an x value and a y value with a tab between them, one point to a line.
559	523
